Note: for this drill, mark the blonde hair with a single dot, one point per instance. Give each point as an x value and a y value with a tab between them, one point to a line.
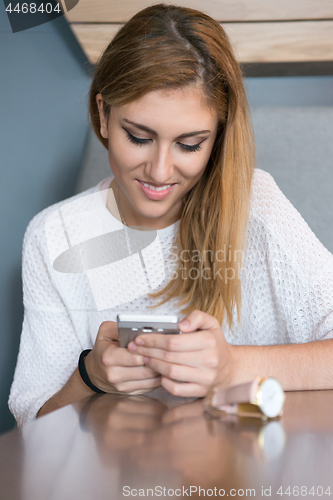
166	46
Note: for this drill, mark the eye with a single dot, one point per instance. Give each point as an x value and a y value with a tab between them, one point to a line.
140	142
190	149
135	140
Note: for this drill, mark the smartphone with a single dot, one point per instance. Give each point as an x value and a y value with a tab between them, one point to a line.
132	325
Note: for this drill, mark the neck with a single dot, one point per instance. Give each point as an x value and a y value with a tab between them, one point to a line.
120	212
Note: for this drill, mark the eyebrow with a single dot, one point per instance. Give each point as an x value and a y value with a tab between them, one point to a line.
147	129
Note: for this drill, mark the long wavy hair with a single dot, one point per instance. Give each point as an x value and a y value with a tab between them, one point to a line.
167	46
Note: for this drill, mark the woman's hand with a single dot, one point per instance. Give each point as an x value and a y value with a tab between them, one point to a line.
114	369
192	362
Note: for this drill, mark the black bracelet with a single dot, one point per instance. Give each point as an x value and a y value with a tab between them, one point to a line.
84	374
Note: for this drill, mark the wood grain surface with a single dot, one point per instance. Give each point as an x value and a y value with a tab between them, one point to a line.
111	11
253	42
111	447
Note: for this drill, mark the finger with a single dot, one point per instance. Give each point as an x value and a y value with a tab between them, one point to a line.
118	356
178	343
204	358
182	373
108	330
119	374
183	389
198	320
139	386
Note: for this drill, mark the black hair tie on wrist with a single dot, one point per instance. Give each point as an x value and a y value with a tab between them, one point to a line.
84	374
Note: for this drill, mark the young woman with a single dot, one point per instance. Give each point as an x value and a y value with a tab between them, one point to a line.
232	256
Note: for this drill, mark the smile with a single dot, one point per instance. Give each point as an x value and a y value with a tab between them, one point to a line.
153	192
154	188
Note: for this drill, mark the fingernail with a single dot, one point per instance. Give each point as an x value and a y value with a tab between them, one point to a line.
139	341
184	323
131	346
145	360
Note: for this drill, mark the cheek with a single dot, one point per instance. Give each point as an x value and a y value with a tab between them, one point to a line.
122	155
194	165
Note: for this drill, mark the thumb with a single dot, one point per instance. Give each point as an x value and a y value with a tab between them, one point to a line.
108	330
198	320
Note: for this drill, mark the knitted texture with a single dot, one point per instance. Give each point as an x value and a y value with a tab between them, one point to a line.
286	279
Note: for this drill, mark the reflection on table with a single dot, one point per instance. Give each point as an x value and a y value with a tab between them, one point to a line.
113	447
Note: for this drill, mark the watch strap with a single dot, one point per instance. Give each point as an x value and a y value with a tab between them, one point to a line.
241	393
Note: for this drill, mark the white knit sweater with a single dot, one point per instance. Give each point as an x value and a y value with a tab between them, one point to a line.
287	286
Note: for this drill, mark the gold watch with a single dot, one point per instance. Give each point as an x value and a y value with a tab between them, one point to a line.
263	398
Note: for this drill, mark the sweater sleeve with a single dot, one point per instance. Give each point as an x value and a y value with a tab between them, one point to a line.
299	267
49	346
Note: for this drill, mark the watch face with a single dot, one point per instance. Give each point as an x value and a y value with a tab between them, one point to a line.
271	397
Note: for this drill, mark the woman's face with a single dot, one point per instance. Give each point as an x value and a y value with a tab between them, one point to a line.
164	138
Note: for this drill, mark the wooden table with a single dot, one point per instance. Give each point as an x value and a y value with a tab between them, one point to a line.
112	447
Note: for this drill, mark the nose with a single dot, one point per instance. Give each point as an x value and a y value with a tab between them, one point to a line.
160	166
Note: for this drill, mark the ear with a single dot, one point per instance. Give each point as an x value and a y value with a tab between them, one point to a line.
102	117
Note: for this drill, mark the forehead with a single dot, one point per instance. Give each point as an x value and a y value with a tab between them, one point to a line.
183	107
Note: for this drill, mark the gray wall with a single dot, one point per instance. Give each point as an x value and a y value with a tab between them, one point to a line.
43	128
290	91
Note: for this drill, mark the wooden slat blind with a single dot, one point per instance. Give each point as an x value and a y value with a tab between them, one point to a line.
261	31
120	11
273	42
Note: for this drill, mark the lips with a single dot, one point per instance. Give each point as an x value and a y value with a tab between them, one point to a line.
156	185
153	194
